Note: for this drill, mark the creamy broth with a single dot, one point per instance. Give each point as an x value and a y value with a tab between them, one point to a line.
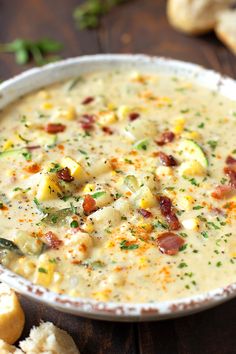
120	186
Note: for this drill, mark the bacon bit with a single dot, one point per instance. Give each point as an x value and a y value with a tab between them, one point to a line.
222	191
89	204
145	213
166	137
230	160
165	205
169	243
33	147
87	121
52	240
107	130
168	213
54	128
217	211
34	168
114	163
167	160
65	175
133	116
231	173
88	100
173	221
61	147
3	207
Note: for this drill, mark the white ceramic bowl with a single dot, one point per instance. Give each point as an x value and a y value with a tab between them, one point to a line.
37	78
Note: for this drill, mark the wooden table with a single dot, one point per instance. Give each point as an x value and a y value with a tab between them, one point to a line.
137	27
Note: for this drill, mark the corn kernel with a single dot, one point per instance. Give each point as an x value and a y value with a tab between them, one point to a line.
111	106
47	105
106	118
88	227
179	125
192	135
146	227
89	187
44	94
123	112
8	145
68	113
191	224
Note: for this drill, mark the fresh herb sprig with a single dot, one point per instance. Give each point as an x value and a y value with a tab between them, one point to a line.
38	51
89	14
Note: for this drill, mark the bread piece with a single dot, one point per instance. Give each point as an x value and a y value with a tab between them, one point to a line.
6	348
48	339
226	29
195	16
12	318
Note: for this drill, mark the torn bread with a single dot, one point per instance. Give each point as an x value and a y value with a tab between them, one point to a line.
6	348
12	318
226	29
195	16
48	339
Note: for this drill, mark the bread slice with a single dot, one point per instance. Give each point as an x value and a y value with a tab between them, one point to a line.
226	29
48	339
6	348
195	16
12	318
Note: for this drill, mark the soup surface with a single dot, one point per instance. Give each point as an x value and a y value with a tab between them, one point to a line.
120	186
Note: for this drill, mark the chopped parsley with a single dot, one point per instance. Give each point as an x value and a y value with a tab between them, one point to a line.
74	224
126	245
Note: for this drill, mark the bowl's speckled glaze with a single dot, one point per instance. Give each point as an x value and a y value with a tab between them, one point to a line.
37	78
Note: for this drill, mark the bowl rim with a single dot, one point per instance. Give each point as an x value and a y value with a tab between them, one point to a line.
87	307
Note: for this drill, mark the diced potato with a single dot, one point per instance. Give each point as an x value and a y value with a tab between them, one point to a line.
140	129
164	171
191	168
123	112
48	188
185	202
149	180
44	273
191	224
123	206
103	199
75	168
79	246
99	167
43	94
144	198
105	218
28	244
107	118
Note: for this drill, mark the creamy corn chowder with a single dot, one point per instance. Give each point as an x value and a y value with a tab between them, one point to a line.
120	186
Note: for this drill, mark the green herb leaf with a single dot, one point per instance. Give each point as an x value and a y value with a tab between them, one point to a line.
126	245
98	194
74	224
24	50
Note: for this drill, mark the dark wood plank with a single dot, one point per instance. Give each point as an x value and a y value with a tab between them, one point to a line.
35	19
141	27
212	331
92	337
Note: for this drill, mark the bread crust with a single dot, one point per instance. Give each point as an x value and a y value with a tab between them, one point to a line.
226	29
195	16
